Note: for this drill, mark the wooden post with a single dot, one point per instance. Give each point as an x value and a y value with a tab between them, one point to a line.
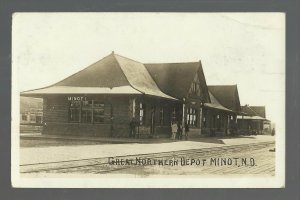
183	113
80	110
137	132
228	123
200	119
133	108
92	111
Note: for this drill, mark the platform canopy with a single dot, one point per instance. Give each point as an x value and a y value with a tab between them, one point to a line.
252	118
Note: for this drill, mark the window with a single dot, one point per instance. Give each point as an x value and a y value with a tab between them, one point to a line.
142	113
32	118
38	119
98	111
24	117
192	116
75	107
161	116
86	111
195	87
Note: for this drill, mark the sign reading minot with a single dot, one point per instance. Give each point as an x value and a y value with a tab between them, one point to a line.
76	98
182	102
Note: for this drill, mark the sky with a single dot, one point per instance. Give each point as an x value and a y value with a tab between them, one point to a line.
247	49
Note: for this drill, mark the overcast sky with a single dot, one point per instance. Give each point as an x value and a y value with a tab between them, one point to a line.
245	49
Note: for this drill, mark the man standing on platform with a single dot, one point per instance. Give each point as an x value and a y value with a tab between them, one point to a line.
132	128
174	130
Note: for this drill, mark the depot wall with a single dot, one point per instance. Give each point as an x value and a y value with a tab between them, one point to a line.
118	112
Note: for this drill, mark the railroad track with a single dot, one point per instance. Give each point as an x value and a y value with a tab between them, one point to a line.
71	166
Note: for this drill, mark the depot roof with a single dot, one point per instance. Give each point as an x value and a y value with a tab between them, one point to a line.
227	96
114	74
214	103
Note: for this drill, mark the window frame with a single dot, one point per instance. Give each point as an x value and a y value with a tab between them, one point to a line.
192	116
102	107
85	110
142	113
24	116
71	111
91	109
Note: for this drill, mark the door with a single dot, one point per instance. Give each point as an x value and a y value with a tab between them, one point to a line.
38	119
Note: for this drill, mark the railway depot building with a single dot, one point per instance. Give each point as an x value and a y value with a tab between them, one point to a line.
222	121
253	120
105	98
208	110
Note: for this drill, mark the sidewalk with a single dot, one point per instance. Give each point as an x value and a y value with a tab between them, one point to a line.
64	153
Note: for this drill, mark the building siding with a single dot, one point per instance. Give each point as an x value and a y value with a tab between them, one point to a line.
118	113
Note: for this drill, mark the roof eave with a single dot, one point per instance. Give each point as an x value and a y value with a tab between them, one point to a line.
218	108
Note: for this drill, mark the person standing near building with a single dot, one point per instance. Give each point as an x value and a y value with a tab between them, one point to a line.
273	132
174	130
179	130
132	128
187	129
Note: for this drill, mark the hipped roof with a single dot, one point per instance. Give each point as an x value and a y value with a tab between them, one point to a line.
82	90
113	74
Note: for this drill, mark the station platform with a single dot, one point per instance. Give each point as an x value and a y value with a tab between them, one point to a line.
112	147
109	140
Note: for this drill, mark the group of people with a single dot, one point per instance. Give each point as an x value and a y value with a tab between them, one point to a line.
178	131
